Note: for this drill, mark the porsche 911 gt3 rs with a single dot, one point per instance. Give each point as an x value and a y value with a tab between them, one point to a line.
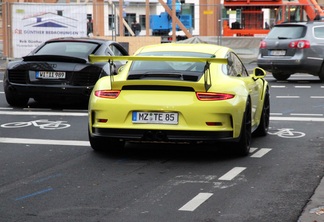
194	93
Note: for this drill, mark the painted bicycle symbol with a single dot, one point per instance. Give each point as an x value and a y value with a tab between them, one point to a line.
41	123
288	133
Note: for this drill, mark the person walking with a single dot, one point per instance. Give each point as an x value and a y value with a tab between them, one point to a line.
136	28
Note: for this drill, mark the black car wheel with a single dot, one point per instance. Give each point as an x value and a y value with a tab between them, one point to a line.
263	127
280	76
321	74
242	148
15	100
106	145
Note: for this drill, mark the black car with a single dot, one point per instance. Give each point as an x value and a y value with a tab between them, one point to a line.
59	70
295	47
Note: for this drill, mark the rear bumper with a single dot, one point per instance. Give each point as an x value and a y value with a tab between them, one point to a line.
290	65
162	135
49	91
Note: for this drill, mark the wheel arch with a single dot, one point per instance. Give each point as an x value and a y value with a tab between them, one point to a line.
265	91
237	122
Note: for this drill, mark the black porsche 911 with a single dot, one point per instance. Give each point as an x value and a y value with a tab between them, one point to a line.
59	70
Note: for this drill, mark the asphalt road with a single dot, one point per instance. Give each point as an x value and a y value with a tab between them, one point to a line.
49	172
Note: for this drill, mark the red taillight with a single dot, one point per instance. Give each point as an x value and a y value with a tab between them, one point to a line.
300	44
109	94
263	45
203	96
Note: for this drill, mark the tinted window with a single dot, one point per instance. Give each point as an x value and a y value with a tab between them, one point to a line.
75	49
287	32
319	32
171	65
115	50
235	67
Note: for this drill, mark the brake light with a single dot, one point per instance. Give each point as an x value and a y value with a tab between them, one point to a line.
263	45
109	94
203	96
300	44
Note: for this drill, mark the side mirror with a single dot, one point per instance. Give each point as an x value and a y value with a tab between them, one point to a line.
258	72
120	69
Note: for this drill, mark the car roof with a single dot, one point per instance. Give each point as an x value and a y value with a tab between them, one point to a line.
308	23
219	51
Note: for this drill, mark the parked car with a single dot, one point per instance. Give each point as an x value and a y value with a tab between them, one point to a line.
192	93
59	70
295	47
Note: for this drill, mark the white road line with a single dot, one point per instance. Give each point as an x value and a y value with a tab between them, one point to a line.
260	153
278	86
36	109
287	97
302	87
252	149
317	97
44	142
196	202
301	119
276	114
232	173
32	113
305	114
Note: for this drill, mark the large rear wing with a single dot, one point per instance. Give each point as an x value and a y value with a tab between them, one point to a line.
207	61
100	58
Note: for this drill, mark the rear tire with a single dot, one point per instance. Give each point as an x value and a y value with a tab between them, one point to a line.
321	74
16	100
280	76
106	145
263	127
242	148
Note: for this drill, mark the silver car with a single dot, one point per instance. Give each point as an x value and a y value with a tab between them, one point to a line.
293	48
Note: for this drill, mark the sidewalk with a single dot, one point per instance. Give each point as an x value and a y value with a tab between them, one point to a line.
314	210
3	63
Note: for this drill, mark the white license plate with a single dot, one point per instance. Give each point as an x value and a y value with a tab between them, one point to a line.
50	75
155	117
278	52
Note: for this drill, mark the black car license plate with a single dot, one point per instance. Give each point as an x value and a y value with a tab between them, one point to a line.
50	75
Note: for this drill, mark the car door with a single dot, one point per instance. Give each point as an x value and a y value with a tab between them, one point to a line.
237	69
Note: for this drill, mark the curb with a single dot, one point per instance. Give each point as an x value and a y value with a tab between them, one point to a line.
314	210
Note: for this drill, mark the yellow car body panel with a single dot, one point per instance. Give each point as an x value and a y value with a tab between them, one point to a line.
107	115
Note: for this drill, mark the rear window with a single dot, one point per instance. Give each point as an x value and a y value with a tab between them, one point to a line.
170	65
74	49
287	32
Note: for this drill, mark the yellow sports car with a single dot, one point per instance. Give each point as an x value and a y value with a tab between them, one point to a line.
175	92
